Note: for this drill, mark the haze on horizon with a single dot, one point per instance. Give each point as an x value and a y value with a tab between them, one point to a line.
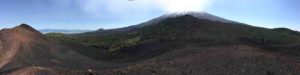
95	14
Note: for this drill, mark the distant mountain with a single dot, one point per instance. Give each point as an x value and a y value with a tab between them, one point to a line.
63	31
198	15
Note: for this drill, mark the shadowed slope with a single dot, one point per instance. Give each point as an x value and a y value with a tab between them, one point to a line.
175	32
186	45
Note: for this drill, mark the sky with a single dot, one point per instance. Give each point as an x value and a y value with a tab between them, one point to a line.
108	14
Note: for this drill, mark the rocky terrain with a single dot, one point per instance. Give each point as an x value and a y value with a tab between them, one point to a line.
176	45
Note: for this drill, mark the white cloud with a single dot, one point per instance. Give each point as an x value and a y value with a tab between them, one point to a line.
142	6
184	5
91	6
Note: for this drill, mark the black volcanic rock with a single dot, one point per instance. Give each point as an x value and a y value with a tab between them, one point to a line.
25	26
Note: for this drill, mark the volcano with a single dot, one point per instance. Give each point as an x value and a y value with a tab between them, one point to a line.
28	51
173	44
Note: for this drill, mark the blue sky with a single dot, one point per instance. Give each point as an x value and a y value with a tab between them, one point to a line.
95	14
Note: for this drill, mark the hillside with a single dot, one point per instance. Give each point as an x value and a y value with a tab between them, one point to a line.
27	51
184	30
185	44
198	15
175	45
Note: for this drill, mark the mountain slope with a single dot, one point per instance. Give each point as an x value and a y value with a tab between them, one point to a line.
23	47
181	45
187	45
179	31
199	15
